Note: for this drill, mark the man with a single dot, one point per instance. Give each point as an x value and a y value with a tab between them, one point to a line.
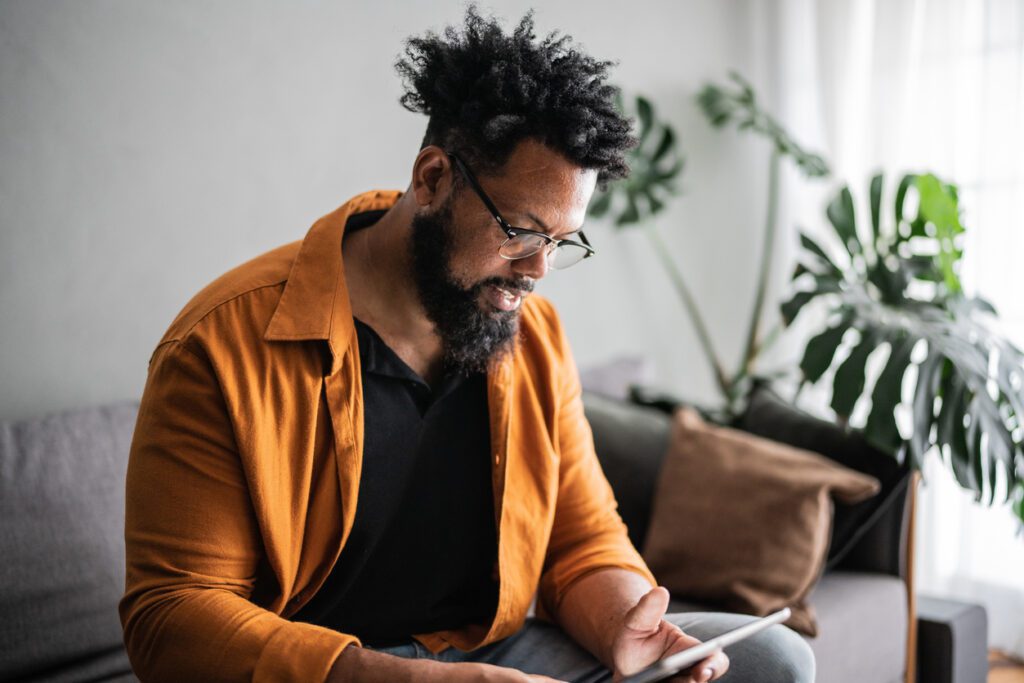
359	457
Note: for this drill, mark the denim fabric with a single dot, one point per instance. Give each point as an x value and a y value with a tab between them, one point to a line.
776	655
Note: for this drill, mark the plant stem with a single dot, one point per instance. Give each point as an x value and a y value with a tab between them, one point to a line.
661	249
767	249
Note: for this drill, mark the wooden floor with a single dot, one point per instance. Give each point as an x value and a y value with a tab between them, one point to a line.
1001	669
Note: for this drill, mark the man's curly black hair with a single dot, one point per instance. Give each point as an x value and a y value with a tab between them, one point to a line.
485	91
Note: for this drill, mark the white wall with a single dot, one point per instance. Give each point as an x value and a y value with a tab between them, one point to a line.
147	147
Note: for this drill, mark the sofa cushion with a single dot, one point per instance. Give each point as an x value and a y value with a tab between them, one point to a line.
631	443
744	521
62	539
770	416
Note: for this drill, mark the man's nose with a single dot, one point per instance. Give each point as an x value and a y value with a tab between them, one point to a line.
535	266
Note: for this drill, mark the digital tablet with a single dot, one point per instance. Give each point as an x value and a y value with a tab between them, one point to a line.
673	664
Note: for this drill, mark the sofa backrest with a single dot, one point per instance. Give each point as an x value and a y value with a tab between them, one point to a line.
631	442
62	545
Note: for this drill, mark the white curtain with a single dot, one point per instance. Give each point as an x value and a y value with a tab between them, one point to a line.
925	85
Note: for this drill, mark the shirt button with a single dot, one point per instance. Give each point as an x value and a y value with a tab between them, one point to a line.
497	458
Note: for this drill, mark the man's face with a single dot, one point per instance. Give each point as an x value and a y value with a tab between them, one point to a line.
471	293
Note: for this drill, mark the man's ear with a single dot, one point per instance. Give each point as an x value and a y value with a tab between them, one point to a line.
431	177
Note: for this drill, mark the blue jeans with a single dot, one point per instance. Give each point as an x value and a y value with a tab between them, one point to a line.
775	655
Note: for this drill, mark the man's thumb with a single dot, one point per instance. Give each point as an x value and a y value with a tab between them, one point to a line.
647	613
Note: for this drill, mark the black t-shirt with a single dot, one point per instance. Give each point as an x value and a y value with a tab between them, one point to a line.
421	556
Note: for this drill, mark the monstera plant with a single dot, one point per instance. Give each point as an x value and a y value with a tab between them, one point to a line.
891	294
656	164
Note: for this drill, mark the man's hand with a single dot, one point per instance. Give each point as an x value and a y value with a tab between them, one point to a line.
645	637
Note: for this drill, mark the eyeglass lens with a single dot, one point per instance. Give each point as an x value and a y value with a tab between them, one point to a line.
526	245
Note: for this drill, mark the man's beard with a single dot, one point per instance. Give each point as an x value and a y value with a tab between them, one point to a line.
472	337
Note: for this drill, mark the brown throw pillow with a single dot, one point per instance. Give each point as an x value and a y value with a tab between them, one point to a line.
744	522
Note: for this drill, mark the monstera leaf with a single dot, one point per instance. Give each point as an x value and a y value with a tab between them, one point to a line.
893	285
655	164
723	105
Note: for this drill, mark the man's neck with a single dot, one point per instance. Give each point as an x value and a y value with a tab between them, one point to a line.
382	290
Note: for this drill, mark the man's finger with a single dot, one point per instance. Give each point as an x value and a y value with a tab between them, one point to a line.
720	665
647	613
711	669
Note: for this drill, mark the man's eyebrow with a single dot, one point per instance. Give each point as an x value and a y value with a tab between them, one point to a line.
543	226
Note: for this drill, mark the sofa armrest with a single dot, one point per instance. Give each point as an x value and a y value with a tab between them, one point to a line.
880	547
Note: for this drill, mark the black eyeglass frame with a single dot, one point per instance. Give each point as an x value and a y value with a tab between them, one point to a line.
512	231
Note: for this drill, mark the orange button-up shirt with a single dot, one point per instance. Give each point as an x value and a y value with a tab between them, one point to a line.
244	473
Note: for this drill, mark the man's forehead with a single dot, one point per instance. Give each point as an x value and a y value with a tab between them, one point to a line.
535	168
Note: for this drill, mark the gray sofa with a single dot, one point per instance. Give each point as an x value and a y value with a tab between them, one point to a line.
62	568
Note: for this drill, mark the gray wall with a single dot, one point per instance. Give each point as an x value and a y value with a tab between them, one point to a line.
149	146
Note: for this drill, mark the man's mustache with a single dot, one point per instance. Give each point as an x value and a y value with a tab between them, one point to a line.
522	285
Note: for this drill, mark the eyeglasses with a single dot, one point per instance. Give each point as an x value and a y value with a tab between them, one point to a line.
523	242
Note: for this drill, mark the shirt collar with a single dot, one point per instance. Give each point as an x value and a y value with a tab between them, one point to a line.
315	303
